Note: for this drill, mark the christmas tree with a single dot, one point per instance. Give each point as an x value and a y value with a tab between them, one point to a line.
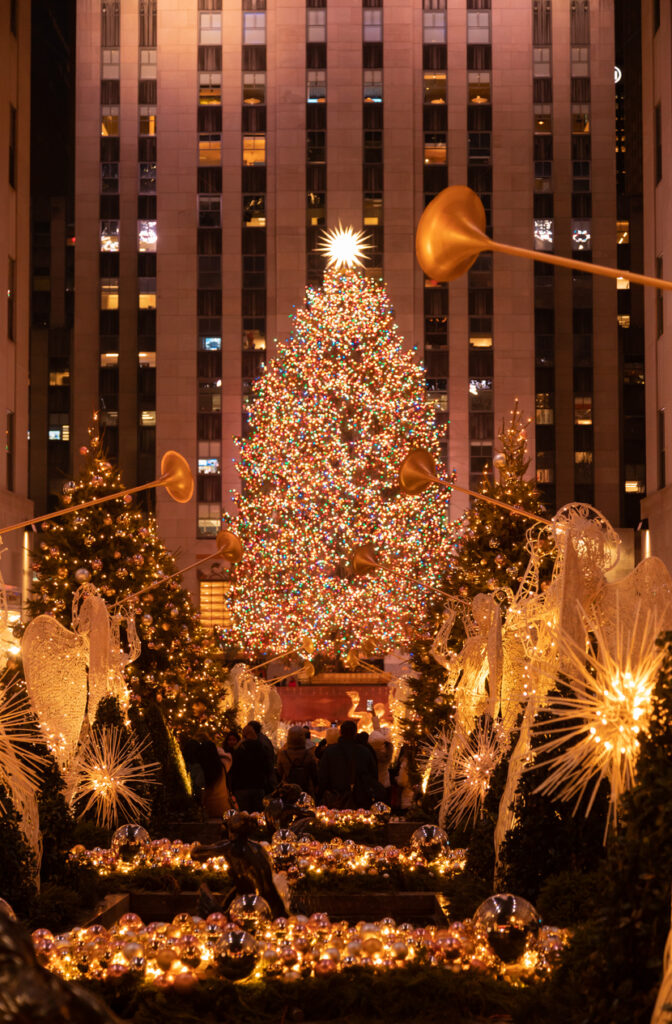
490	555
116	547
331	421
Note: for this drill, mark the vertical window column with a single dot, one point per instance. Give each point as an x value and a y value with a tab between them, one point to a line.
254	198
581	227
544	234
480	278
316	135
209	277
372	121
435	178
147	238
108	327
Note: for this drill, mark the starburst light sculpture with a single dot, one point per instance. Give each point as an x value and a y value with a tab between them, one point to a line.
594	731
343	247
106	775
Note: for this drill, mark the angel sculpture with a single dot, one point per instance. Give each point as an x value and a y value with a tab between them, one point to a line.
68	672
255	700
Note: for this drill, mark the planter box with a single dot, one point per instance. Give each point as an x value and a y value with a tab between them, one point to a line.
416	907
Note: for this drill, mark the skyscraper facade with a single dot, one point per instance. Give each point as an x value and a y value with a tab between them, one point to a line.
215	139
14	291
657	167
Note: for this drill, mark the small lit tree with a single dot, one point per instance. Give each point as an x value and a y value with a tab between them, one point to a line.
117	547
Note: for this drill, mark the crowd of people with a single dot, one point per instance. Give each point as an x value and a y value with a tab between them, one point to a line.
346	769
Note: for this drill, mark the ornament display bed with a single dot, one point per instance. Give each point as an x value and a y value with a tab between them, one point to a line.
416	907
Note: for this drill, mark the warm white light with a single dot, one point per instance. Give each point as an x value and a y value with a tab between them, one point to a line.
343	247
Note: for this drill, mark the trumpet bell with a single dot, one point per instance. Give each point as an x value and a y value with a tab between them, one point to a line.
176	477
229	546
417	471
363	559
451	233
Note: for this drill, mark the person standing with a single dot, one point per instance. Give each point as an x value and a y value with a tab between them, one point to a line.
269	751
296	762
346	774
249	772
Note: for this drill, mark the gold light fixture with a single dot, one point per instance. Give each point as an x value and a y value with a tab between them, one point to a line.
176	477
451	234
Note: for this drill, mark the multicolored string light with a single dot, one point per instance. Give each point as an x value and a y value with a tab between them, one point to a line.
330	422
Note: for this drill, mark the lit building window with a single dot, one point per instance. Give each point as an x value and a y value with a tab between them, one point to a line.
210	149
254	149
147	360
542	123
479	86
542	61
373	86
623	319
583	410
433	26
109	121
209	521
622	232
583	458
254	340
109	359
210	88
434	85
254	87
209	467
148	418
581	235
108	418
147	173
209	29
316	208
147	120
254	28
435	148
147	64
316	25
213	595
580	122
146	293
544	408
478	27
543	235
254	211
147	236
110	67
373	208
109	236
622	284
634	487
59	378
544	475
316	86
372	25
480	340
109	293
211	344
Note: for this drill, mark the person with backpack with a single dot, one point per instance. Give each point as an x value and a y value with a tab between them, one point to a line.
347	774
296	762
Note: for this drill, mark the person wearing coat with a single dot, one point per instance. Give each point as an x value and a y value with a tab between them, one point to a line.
297	763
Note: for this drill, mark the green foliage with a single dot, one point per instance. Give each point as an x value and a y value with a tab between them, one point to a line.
117	543
173	798
490	554
56	821
17	863
549	836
